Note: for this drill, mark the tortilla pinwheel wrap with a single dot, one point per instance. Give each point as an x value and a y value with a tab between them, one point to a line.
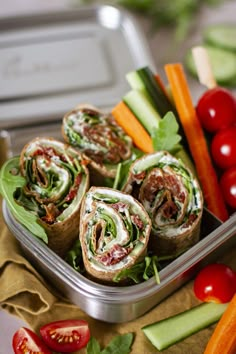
114	233
56	181
172	198
99	138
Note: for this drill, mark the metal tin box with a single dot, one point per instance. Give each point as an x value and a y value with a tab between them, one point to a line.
122	304
48	64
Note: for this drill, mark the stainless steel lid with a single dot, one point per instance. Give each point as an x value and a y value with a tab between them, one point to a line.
51	62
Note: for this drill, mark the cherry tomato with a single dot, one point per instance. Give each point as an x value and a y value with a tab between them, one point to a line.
26	341
66	336
215	283
216	109
223	147
228	186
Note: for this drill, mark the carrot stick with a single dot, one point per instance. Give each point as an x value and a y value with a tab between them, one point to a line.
130	124
196	140
223	339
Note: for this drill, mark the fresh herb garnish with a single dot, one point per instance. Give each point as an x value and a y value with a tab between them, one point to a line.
166	137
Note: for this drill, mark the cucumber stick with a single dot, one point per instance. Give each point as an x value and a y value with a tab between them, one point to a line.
173	329
143	79
223	65
221	35
139	104
135	81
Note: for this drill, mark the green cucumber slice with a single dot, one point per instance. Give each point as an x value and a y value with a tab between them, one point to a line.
221	35
223	65
173	329
142	108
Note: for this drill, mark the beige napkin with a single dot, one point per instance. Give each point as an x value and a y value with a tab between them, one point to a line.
24	293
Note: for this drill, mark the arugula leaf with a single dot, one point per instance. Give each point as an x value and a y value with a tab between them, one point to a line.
120	344
93	347
74	257
10	181
166	136
140	271
151	268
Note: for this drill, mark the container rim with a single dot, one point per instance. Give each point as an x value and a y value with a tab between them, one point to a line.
115	294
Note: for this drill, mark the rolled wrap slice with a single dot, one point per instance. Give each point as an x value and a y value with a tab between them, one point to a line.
56	181
114	232
98	136
173	199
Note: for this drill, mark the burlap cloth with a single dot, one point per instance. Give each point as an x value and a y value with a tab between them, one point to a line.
24	293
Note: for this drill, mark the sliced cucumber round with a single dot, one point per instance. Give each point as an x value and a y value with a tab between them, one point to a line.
223	65
221	35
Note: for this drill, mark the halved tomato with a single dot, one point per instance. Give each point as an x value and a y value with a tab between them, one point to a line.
66	336
26	341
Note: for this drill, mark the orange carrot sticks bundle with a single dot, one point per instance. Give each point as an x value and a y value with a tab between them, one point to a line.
196	140
223	339
130	124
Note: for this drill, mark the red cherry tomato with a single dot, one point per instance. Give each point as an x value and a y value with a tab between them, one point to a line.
228	186
26	341
223	147
215	283
216	109
66	336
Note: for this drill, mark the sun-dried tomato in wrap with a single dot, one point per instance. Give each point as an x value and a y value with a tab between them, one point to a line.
98	136
173	199
114	232
56	181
